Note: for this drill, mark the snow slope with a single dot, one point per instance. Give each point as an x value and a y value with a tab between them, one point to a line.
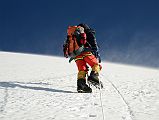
44	87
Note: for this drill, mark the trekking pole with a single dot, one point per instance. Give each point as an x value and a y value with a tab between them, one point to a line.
87	70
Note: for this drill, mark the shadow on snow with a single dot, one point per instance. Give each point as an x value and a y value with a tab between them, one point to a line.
18	84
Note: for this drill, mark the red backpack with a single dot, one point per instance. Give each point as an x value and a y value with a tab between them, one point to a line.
72	47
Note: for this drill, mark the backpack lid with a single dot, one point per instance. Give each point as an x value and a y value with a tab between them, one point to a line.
71	30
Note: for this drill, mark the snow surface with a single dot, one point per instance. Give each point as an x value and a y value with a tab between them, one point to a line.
35	87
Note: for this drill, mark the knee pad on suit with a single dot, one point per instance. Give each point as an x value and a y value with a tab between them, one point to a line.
96	68
81	75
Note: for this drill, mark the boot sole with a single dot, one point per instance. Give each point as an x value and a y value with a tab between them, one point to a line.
82	91
96	84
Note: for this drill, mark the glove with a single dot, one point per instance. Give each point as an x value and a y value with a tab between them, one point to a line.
97	55
65	50
99	58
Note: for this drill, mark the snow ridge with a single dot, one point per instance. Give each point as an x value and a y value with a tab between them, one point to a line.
45	88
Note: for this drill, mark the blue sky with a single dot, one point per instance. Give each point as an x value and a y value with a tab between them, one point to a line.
126	30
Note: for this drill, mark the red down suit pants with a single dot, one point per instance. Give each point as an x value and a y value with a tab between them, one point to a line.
82	60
